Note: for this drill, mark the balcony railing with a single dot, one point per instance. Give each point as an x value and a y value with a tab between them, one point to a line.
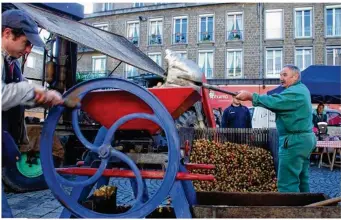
180	38
206	36
333	31
131	73
134	40
235	35
208	72
84	49
155	39
87	75
234	72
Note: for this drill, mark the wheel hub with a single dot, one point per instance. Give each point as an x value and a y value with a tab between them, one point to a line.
104	152
29	165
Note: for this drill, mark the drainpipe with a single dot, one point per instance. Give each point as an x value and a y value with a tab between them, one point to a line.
261	57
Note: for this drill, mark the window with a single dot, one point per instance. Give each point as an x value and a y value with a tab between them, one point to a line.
138	4
234	64
274	24
30	62
133	32
99	64
303	22
333	56
107	6
235	26
103	26
182	54
155	32
303	57
206	28
333	21
131	71
180	30
273	62
156	57
206	63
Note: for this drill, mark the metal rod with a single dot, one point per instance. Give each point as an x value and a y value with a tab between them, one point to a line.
44	74
115	68
130	174
35	79
325	202
215	88
207	86
191	166
44	69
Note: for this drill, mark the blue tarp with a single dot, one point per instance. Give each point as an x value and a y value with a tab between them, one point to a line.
323	82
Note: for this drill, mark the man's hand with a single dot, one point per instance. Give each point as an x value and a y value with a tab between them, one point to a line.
244	96
49	98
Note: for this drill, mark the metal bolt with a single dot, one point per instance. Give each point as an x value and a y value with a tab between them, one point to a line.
104	151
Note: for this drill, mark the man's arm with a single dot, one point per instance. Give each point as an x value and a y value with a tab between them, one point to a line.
224	119
13	94
288	100
314	120
248	118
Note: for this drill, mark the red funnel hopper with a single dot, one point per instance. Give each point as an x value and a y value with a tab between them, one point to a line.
106	107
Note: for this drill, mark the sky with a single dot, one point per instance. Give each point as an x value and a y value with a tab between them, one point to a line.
87	7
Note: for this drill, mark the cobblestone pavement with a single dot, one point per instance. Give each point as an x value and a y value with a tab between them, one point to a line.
42	204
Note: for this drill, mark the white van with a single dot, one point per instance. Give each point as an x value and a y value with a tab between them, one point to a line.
262	118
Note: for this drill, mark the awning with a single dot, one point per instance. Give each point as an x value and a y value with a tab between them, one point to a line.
323	82
113	45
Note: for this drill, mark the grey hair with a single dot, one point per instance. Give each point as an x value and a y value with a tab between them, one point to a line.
294	68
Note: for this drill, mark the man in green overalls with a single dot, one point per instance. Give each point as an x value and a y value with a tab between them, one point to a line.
294	125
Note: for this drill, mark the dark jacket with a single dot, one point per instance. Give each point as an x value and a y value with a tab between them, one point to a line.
236	117
13	118
13	123
319	118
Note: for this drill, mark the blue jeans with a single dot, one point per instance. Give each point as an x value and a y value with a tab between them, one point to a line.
6	210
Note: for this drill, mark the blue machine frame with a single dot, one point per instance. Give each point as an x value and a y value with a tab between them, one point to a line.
182	192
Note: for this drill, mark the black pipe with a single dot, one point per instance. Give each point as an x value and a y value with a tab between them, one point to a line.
73	63
44	68
35	79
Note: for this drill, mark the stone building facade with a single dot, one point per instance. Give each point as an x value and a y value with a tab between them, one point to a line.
235	42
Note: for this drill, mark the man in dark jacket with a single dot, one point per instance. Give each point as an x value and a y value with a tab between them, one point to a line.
236	116
319	115
19	34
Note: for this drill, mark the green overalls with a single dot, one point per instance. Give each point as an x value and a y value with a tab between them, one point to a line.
296	139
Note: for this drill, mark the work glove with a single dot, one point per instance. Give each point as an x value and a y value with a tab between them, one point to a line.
47	98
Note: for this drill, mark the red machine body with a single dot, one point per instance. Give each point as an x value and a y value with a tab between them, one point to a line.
113	105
